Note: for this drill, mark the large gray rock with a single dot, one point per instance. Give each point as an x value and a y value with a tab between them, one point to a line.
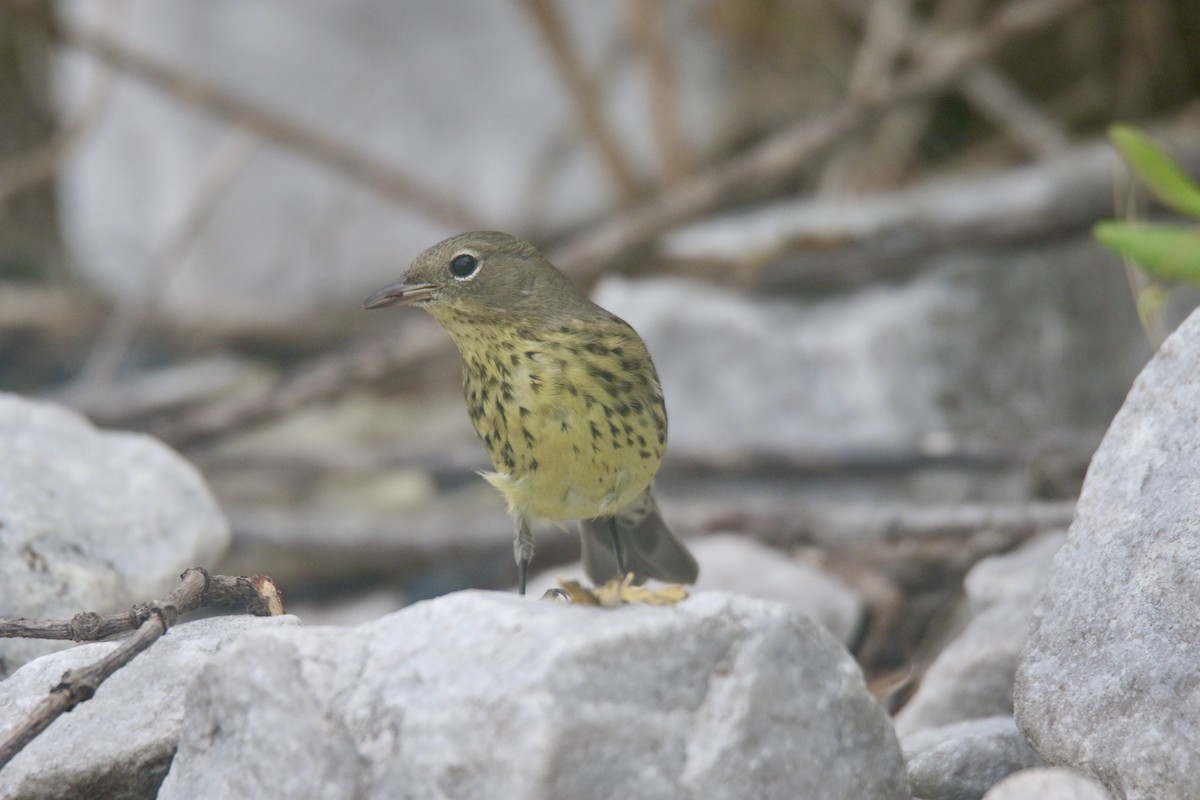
487	695
973	677
744	566
92	520
1107	683
981	349
1047	783
964	760
472	107
120	743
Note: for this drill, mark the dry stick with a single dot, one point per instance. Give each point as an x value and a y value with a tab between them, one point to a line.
116	338
338	156
586	96
648	30
886	26
998	99
257	594
322	379
781	155
988	90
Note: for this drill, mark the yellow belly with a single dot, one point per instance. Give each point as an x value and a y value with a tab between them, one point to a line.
574	424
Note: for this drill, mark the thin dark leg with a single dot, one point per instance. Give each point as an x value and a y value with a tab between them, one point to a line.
618	550
523	547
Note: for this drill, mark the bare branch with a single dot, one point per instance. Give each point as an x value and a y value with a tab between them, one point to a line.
647	27
338	156
999	99
783	154
322	379
128	318
586	96
843	242
257	594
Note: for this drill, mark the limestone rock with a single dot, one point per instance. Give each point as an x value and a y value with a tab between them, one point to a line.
963	760
119	744
989	349
486	695
973	677
1047	783
92	520
1107	682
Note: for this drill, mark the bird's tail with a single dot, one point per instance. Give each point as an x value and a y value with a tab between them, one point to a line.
648	546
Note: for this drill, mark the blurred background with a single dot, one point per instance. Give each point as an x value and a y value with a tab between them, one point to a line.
855	234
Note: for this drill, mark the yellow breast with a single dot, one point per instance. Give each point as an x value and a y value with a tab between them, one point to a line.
573	417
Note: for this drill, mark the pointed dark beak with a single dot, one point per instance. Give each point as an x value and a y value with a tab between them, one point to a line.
399	292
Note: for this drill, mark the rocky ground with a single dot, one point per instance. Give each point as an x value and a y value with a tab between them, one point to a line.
1066	672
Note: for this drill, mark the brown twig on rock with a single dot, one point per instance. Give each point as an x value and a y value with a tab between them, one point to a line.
257	594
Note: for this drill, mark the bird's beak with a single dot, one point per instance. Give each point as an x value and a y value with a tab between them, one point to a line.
399	292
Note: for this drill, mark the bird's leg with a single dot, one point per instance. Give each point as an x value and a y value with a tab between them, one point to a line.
523	551
618	550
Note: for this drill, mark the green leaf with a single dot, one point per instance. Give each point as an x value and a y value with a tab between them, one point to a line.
1170	252
1162	177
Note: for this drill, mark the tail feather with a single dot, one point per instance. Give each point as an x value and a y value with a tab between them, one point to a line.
649	547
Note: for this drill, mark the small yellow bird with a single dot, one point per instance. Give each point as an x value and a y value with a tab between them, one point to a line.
562	393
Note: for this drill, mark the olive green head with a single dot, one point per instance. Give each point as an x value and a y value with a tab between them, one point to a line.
483	276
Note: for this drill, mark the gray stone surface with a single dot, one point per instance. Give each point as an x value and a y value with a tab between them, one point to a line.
119	744
963	760
989	349
973	677
488	695
92	520
463	97
1108	680
1048	783
741	565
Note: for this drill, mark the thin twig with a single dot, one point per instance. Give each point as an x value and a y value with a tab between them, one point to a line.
843	242
648	29
184	87
258	595
782	154
997	98
585	94
128	318
321	379
886	37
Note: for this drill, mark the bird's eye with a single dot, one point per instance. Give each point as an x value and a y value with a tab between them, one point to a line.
464	266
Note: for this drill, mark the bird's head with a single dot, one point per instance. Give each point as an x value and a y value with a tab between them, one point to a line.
480	276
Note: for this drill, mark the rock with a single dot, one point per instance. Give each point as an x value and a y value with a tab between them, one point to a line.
959	357
1107	682
289	233
119	744
964	760
1047	783
1013	577
92	520
486	695
973	677
743	566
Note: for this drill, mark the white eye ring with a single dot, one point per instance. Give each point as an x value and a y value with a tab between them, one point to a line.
464	267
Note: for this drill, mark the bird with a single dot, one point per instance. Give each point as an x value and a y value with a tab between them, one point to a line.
563	395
